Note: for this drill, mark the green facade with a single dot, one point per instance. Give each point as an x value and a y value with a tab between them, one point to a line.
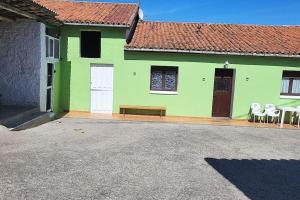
257	79
75	77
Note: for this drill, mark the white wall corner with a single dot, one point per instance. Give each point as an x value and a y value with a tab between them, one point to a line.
43	69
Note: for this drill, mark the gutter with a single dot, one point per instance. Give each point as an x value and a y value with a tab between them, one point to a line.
98	25
210	52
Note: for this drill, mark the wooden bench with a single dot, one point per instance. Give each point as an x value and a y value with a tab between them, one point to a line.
155	108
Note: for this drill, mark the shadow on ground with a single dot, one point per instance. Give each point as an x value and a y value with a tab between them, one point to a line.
262	179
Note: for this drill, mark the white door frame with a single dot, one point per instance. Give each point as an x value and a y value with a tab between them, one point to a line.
101	65
50	87
44	69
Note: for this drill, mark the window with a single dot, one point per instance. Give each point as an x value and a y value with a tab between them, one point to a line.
52	47
90	44
290	84
47	47
56	49
50	74
222	84
164	78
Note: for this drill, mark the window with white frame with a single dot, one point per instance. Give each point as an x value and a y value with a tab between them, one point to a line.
52	47
290	85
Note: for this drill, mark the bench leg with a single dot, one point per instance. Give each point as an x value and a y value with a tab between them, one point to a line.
124	112
161	113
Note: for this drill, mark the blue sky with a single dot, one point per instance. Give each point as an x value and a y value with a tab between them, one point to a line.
266	12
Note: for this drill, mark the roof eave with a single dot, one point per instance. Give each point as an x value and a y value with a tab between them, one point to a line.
211	52
98	25
30	10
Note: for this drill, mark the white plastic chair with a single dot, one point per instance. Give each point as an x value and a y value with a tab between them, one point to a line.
271	111
256	111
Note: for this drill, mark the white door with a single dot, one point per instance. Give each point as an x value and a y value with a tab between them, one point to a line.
102	89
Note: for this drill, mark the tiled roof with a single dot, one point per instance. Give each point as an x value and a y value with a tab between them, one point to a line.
217	38
92	12
27	9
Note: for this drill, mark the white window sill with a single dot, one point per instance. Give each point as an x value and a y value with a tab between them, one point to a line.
289	97
164	92
52	59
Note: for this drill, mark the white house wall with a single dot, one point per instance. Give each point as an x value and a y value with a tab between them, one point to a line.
20	62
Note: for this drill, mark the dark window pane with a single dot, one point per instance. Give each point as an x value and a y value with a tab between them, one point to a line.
48	105
47	47
50	74
51	48
222	84
90	44
157	81
56	49
170	80
291	74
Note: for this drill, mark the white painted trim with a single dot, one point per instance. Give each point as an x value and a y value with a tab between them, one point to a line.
210	52
289	97
232	92
98	25
51	87
52	58
43	69
163	92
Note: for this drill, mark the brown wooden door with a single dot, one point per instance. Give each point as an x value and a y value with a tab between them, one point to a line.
222	93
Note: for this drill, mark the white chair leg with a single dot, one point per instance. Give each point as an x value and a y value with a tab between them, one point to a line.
292	120
298	121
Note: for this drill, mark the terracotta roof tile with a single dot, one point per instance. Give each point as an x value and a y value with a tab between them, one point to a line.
30	7
92	12
222	38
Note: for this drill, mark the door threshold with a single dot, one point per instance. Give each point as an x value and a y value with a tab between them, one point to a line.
221	118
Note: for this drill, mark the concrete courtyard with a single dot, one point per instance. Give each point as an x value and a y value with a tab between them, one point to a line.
98	159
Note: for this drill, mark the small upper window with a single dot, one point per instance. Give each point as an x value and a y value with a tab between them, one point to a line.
90	44
290	84
52	47
164	78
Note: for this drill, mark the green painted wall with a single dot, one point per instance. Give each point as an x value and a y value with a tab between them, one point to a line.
75	82
195	95
57	106
196	77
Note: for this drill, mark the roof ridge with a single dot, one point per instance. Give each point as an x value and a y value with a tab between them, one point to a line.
86	1
231	24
